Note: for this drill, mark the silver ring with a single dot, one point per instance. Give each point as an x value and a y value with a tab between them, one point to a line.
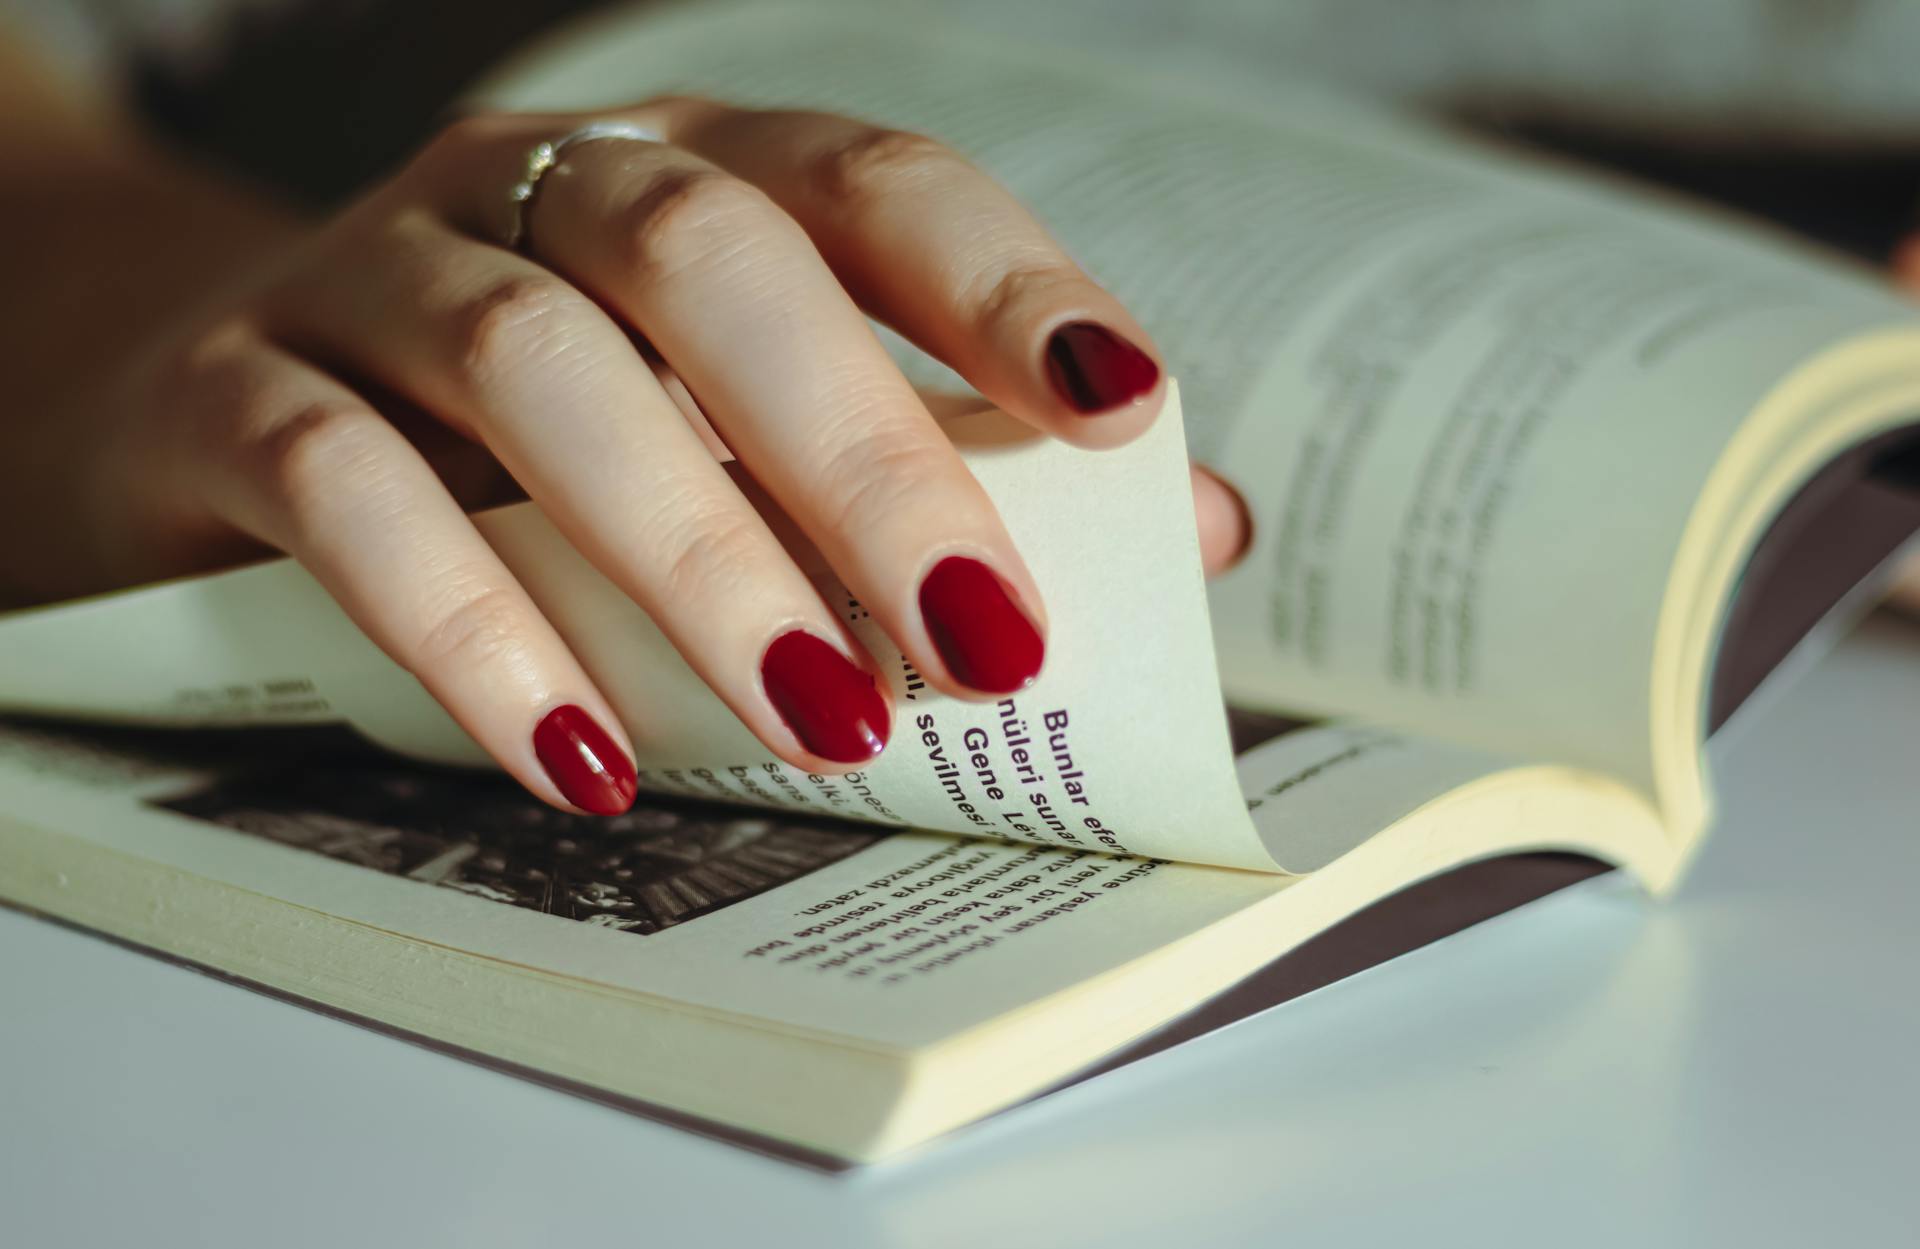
544	156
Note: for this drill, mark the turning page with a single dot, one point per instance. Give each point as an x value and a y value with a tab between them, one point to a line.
1120	746
1476	406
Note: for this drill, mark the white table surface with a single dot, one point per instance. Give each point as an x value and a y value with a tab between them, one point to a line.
1736	1066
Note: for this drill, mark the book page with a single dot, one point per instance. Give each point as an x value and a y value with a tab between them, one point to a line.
1488	451
1218	235
817	924
1458	397
1119	747
803	922
823	981
1474	404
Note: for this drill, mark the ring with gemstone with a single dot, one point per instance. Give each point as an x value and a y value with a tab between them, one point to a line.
543	156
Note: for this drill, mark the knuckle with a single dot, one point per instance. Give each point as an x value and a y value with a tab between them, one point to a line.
676	103
516	321
872	479
320	450
685	215
876	160
196	375
706	551
455	141
1023	285
478	626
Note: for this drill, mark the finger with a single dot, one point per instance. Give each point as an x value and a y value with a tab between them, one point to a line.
1226	527
935	248
733	295
1906	587
305	465
554	388
1905	264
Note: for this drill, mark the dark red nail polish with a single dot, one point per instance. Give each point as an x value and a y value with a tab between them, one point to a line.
986	640
832	704
593	773
1096	370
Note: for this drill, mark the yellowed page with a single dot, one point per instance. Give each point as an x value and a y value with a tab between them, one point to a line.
1120	746
892	940
831	985
1449	389
1475	405
866	941
1490	447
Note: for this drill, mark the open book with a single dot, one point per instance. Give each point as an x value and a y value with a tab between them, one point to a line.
1546	477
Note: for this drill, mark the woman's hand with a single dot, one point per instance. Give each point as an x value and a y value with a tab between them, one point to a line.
671	303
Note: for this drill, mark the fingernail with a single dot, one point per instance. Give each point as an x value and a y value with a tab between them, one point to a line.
832	704
985	639
1096	370
593	773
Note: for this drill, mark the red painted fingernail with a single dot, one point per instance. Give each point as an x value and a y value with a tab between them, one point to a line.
832	704
986	640
1096	370
593	773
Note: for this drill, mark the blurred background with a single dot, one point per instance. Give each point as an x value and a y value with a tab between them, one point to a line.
1803	111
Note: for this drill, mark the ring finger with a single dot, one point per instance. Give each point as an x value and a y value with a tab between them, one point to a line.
736	298
505	350
305	464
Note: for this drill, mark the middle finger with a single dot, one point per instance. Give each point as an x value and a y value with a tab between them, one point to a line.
732	293
505	350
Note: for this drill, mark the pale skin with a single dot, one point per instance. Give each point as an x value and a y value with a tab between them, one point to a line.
198	377
203	378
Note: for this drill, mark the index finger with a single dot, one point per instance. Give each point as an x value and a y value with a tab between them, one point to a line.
937	249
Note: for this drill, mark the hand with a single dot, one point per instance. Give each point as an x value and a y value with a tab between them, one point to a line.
343	402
